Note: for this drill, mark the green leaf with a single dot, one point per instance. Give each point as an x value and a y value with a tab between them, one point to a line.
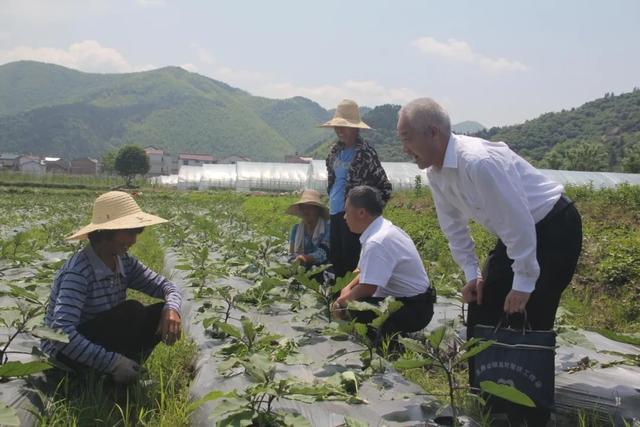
212	395
479	347
412	363
349	382
507	392
413	345
19	369
295	420
364	306
230	330
354	422
50	334
184	267
17	291
8	416
436	337
361	330
248	328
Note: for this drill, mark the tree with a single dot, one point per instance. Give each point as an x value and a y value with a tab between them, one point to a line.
631	159
131	160
590	156
108	162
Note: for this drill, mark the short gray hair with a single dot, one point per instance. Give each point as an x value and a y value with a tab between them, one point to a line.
424	112
367	198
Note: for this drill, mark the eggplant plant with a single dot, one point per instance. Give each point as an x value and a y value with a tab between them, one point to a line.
443	350
369	334
254	406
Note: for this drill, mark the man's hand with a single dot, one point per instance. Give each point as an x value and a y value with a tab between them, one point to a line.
472	291
169	327
302	259
125	370
339	309
516	302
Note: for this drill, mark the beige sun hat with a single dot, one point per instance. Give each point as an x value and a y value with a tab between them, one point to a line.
116	210
308	197
346	115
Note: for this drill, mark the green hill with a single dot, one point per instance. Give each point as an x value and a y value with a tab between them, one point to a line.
47	109
598	135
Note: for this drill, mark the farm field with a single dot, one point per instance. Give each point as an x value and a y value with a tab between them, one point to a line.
258	332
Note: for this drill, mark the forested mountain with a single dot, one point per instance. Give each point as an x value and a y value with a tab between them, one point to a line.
51	110
48	109
600	135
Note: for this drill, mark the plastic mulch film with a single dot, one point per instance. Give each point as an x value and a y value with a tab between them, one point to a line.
392	400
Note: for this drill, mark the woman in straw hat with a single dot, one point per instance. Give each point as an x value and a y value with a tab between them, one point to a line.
108	333
351	162
309	239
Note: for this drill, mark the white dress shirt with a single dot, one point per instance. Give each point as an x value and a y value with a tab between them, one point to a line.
389	260
487	182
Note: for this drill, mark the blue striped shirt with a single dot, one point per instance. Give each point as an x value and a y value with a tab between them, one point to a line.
85	287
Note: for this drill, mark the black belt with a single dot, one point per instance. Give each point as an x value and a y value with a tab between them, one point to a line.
428	296
562	203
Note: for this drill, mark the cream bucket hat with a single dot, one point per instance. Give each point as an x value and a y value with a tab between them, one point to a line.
308	197
346	115
116	210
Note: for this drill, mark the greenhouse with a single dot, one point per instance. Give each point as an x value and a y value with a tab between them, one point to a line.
271	176
218	176
257	176
189	177
402	175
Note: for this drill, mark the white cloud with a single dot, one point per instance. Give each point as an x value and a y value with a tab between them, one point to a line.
460	51
87	55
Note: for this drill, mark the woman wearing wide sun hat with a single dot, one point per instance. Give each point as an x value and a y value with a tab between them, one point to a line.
309	239
108	333
351	162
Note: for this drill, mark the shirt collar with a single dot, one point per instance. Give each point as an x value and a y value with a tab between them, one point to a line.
100	269
375	225
451	155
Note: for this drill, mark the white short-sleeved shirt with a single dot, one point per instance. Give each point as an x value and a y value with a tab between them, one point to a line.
389	260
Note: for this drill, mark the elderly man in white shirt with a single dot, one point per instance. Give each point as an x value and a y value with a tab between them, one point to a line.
389	265
539	229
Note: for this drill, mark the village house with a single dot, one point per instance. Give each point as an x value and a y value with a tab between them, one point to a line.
84	166
159	161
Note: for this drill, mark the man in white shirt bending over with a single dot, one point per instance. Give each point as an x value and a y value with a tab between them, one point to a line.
539	229
389	266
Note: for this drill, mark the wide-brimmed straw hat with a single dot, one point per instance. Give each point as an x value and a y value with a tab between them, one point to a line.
308	197
347	115
116	210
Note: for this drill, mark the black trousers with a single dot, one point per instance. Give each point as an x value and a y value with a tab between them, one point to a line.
128	328
414	315
559	242
344	252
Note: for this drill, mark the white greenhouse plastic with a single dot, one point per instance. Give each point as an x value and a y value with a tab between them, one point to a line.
272	176
218	176
189	177
402	175
318	176
248	176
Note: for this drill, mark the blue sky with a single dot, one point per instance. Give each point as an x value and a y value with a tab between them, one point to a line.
497	62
